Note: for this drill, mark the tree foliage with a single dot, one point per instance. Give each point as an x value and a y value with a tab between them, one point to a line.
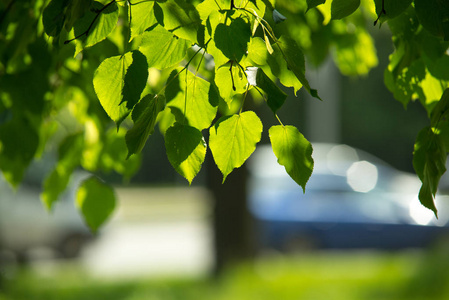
69	67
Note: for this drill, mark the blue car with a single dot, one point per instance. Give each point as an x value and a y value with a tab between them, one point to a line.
352	200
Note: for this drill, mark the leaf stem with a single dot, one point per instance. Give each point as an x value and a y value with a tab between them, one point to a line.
382	12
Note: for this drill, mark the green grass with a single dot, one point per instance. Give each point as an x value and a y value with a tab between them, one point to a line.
329	276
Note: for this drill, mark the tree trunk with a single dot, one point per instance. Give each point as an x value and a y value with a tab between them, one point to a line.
233	224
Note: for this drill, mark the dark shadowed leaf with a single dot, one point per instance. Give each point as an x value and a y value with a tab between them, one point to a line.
343	8
144	116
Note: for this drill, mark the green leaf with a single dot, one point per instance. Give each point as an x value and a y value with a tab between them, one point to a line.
115	152
69	156
232	39
434	16
186	150
144	116
257	51
95	25
191	99
393	8
233	139
343	8
53	17
441	111
429	159
96	201
182	19
355	53
207	7
314	3
295	61
162	49
275	96
277	67
19	142
293	151
119	82
230	81
75	10
141	15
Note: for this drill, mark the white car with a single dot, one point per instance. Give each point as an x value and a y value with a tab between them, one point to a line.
352	200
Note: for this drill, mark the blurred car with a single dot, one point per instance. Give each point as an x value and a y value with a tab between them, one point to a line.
352	200
26	227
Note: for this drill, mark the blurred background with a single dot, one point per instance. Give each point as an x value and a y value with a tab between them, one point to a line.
358	232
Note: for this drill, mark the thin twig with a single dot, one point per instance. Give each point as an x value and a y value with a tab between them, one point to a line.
86	33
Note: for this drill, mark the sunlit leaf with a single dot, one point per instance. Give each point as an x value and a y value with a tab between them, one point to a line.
293	151
162	49
96	202
191	99
186	150
295	61
141	17
182	19
257	51
233	139
96	24
118	83
230	81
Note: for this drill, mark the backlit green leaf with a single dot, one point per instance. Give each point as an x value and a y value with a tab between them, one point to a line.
343	8
293	151
295	61
186	149
233	139
162	49
182	19
96	201
191	99
96	24
257	51
141	15
230	81
429	159
119	82
144	116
